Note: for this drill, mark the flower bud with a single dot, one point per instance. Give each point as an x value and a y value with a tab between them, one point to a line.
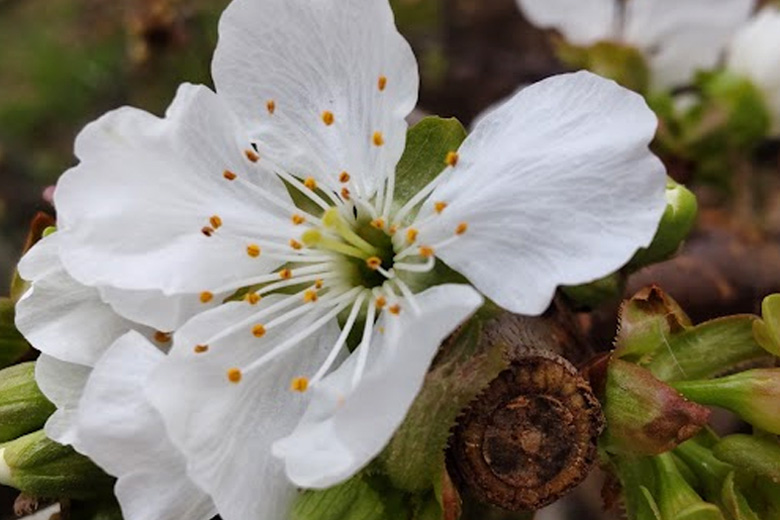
12	344
644	415
754	395
755	54
38	466
358	498
760	456
23	408
677	221
767	330
675	497
646	321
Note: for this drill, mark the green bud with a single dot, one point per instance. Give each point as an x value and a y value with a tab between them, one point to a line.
677	221
754	395
591	295
646	321
12	344
644	415
734	502
622	63
767	330
38	466
359	498
756	455
675	497
23	408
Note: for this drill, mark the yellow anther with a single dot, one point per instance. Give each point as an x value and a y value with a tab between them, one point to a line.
234	375
393	229
285	274
298	219
200	349
310	296
382	83
299	384
380	302
215	221
310	183
162	337
295	244
258	331
345	194
206	230
451	159
395	309
270	105
253	250
439	206
253	298
318	283
206	296
251	155
328	118
344	177
462	228
229	175
378	139
411	235
378	223
426	251
374	263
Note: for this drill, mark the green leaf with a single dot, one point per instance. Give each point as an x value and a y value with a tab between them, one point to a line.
359	498
707	350
12	344
622	63
427	145
735	502
767	330
647	509
41	467
23	408
467	364
593	294
759	456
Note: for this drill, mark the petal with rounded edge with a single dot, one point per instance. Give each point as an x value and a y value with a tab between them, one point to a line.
63	384
138	206
582	22
556	187
125	435
226	429
345	426
681	37
315	80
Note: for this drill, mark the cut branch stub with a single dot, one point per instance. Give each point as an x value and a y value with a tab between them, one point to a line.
531	436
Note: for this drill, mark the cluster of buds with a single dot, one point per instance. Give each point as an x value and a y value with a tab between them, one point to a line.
660	381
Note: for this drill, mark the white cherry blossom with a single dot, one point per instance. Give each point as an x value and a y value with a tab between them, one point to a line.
261	393
676	37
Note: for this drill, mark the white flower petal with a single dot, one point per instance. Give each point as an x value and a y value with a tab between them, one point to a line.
41	260
345	427
155	309
557	187
62	383
681	37
582	22
226	429
125	435
135	207
755	54
62	318
308	57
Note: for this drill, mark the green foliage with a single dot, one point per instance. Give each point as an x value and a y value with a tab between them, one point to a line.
767	329
359	498
759	456
622	63
12	344
23	408
427	145
41	467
